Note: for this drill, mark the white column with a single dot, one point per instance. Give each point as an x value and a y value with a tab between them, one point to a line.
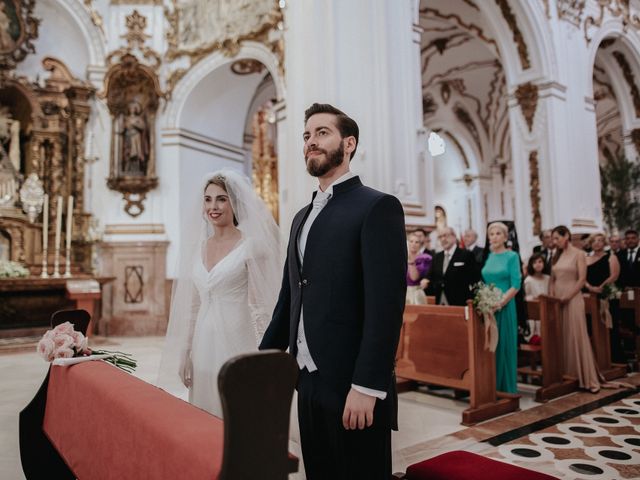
360	56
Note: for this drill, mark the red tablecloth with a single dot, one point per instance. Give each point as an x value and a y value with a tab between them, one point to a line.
107	424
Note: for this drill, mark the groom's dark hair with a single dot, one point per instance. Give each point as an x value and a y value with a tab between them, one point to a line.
346	125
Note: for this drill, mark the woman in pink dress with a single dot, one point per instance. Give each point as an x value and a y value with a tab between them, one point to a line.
568	276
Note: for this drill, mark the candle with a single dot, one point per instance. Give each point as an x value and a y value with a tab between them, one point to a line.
58	223
69	222
45	223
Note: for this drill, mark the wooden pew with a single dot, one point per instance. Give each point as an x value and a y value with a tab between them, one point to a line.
554	384
630	300
93	420
444	345
600	340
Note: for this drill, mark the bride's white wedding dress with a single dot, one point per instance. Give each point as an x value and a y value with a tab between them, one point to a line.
224	326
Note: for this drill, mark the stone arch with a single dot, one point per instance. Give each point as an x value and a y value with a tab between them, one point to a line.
96	42
202	69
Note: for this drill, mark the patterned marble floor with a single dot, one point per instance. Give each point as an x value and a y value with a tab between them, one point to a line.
603	444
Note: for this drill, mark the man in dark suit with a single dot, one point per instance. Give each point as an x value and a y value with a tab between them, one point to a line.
629	259
470	238
340	308
453	271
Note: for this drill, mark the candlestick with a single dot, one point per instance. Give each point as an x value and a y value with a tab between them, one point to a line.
56	261
45	236
67	270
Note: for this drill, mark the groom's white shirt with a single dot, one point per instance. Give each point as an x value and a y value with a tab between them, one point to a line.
304	355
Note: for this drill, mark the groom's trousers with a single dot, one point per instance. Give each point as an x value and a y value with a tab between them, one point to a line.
330	451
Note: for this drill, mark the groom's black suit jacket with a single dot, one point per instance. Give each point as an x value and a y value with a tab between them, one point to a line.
462	272
352	288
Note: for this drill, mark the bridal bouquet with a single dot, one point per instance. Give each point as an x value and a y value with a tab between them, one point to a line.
486	300
64	342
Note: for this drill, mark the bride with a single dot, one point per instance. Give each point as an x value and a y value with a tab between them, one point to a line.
226	290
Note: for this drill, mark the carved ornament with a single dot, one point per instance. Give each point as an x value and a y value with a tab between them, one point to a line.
571	11
534	192
616	8
630	79
635	138
527	96
246	66
518	38
198	28
18	30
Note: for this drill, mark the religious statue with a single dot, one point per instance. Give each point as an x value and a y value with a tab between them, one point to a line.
10	136
135	141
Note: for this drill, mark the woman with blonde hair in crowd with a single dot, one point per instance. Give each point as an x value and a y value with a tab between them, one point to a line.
418	265
568	276
603	268
502	268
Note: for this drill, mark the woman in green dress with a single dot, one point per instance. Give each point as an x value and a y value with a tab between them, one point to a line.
502	268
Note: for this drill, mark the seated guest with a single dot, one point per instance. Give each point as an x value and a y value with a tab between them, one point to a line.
453	271
546	249
417	268
629	261
536	283
470	238
603	268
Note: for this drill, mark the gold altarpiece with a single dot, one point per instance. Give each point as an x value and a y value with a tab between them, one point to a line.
52	121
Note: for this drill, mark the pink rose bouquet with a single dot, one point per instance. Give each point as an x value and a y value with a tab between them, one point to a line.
64	342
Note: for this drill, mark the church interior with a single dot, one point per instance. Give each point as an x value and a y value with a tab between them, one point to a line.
525	112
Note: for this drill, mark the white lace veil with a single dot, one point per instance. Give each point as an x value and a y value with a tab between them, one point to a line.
264	264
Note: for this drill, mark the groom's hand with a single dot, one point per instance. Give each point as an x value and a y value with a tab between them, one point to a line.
358	410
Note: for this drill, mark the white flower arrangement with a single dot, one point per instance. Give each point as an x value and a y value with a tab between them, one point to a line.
486	297
9	269
486	300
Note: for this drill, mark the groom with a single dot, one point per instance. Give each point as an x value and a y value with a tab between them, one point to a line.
340	308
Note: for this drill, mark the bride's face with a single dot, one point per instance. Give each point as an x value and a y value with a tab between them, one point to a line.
217	206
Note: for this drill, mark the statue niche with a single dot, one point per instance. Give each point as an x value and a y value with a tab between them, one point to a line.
132	95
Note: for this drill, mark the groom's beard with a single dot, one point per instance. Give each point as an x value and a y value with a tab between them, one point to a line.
318	168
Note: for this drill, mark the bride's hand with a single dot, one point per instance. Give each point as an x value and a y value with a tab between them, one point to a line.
186	370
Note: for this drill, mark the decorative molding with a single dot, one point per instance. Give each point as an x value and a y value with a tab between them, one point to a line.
247	21
635	138
134	229
571	11
96	18
16	42
247	66
547	10
616	8
136	39
134	2
630	79
527	96
518	38
427	13
534	192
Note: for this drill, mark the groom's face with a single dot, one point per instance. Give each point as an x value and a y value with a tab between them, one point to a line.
323	145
